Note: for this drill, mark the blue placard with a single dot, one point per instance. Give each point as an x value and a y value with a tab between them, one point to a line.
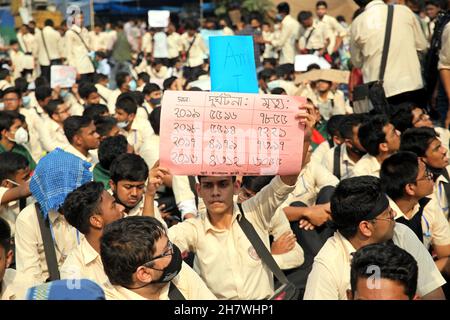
232	61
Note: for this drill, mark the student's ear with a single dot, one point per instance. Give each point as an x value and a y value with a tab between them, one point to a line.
349	294
383	147
365	227
112	185
410	189
143	274
77	140
96	221
9	258
131	117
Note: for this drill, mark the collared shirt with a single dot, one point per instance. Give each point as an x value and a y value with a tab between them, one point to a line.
187	281
15	285
112	99
435	228
330	275
315	37
34	121
444	54
287	38
336	29
147	44
139	134
439	193
198	49
30	256
51	48
320	152
52	135
347	164
71	149
77	52
367	166
84	262
174	45
97	42
105	94
225	259
366	47
9	211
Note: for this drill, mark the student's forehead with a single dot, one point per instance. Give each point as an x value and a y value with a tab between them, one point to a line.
134	183
215	179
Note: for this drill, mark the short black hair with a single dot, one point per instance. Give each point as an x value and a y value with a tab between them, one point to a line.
121	78
304	15
49	23
129	167
99	77
397	171
5	235
418	140
21	84
255	183
347	124
393	263
127	103
85	89
4	73
278	90
402	117
43	92
266	74
333	124
73	124
191	25
7	120
150	87
138	97
155	119
81	204
353	199
110	149
12	90
321	4
371	134
127	244
93	111
144	76
103	125
168	82
283	7
52	106
10	163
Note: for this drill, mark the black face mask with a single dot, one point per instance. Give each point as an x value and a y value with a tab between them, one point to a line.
174	267
357	151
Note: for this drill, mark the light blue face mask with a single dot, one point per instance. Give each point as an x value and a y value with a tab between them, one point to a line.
274	84
26	100
133	85
63	93
123	124
2	106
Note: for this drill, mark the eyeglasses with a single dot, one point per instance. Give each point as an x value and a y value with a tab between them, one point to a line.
390	218
166	253
428	175
422	117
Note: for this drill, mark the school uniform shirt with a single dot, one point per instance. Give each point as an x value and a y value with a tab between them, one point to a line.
403	71
111	38
77	52
318	34
52	135
34	121
440	195
336	29
49	45
15	285
198	49
97	41
143	112
84	262
139	134
112	99
435	228
187	281
320	152
158	77
160	45
444	54
89	158
225	259
367	166
333	104
174	46
30	255
269	51
330	275
147	43
9	211
347	164
287	38
105	94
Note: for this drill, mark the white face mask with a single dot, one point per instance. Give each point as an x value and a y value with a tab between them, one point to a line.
21	136
123	124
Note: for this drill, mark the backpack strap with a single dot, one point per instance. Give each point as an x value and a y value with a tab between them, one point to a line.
337	162
175	293
387	41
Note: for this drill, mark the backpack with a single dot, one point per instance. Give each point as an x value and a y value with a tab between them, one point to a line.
431	72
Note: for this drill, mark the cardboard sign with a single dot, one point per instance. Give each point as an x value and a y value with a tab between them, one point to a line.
233	64
63	76
215	133
158	18
333	75
302	61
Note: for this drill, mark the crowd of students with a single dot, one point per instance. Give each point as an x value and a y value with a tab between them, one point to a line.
85	202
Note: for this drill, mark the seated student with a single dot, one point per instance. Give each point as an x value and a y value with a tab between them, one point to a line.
108	151
151	267
52	132
81	134
143	78
13	136
123	80
349	152
93	111
136	130
89	208
102	84
178	187
222	255
14	186
380	139
56	175
408	182
361	214
334	138
106	127
89	93
13	284
426	144
398	272
152	95
129	174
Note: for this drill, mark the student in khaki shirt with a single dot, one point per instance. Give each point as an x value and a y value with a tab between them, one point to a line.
362	216
426	144
316	37
97	39
56	175
52	132
193	46
136	130
224	257
407	182
380	139
150	265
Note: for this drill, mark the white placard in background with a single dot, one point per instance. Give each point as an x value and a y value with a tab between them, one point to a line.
63	76
302	61
158	18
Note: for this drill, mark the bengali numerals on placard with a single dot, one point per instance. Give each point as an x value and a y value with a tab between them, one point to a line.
271	145
273	118
271	132
186	113
180	157
185	128
265	161
222	115
216	160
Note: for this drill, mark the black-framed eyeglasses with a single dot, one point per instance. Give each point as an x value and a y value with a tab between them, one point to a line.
166	253
390	218
428	175
422	117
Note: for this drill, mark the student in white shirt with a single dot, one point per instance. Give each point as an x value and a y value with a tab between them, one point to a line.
337	32
174	45
52	132
362	216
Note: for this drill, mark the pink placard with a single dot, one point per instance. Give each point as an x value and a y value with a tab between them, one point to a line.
213	133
